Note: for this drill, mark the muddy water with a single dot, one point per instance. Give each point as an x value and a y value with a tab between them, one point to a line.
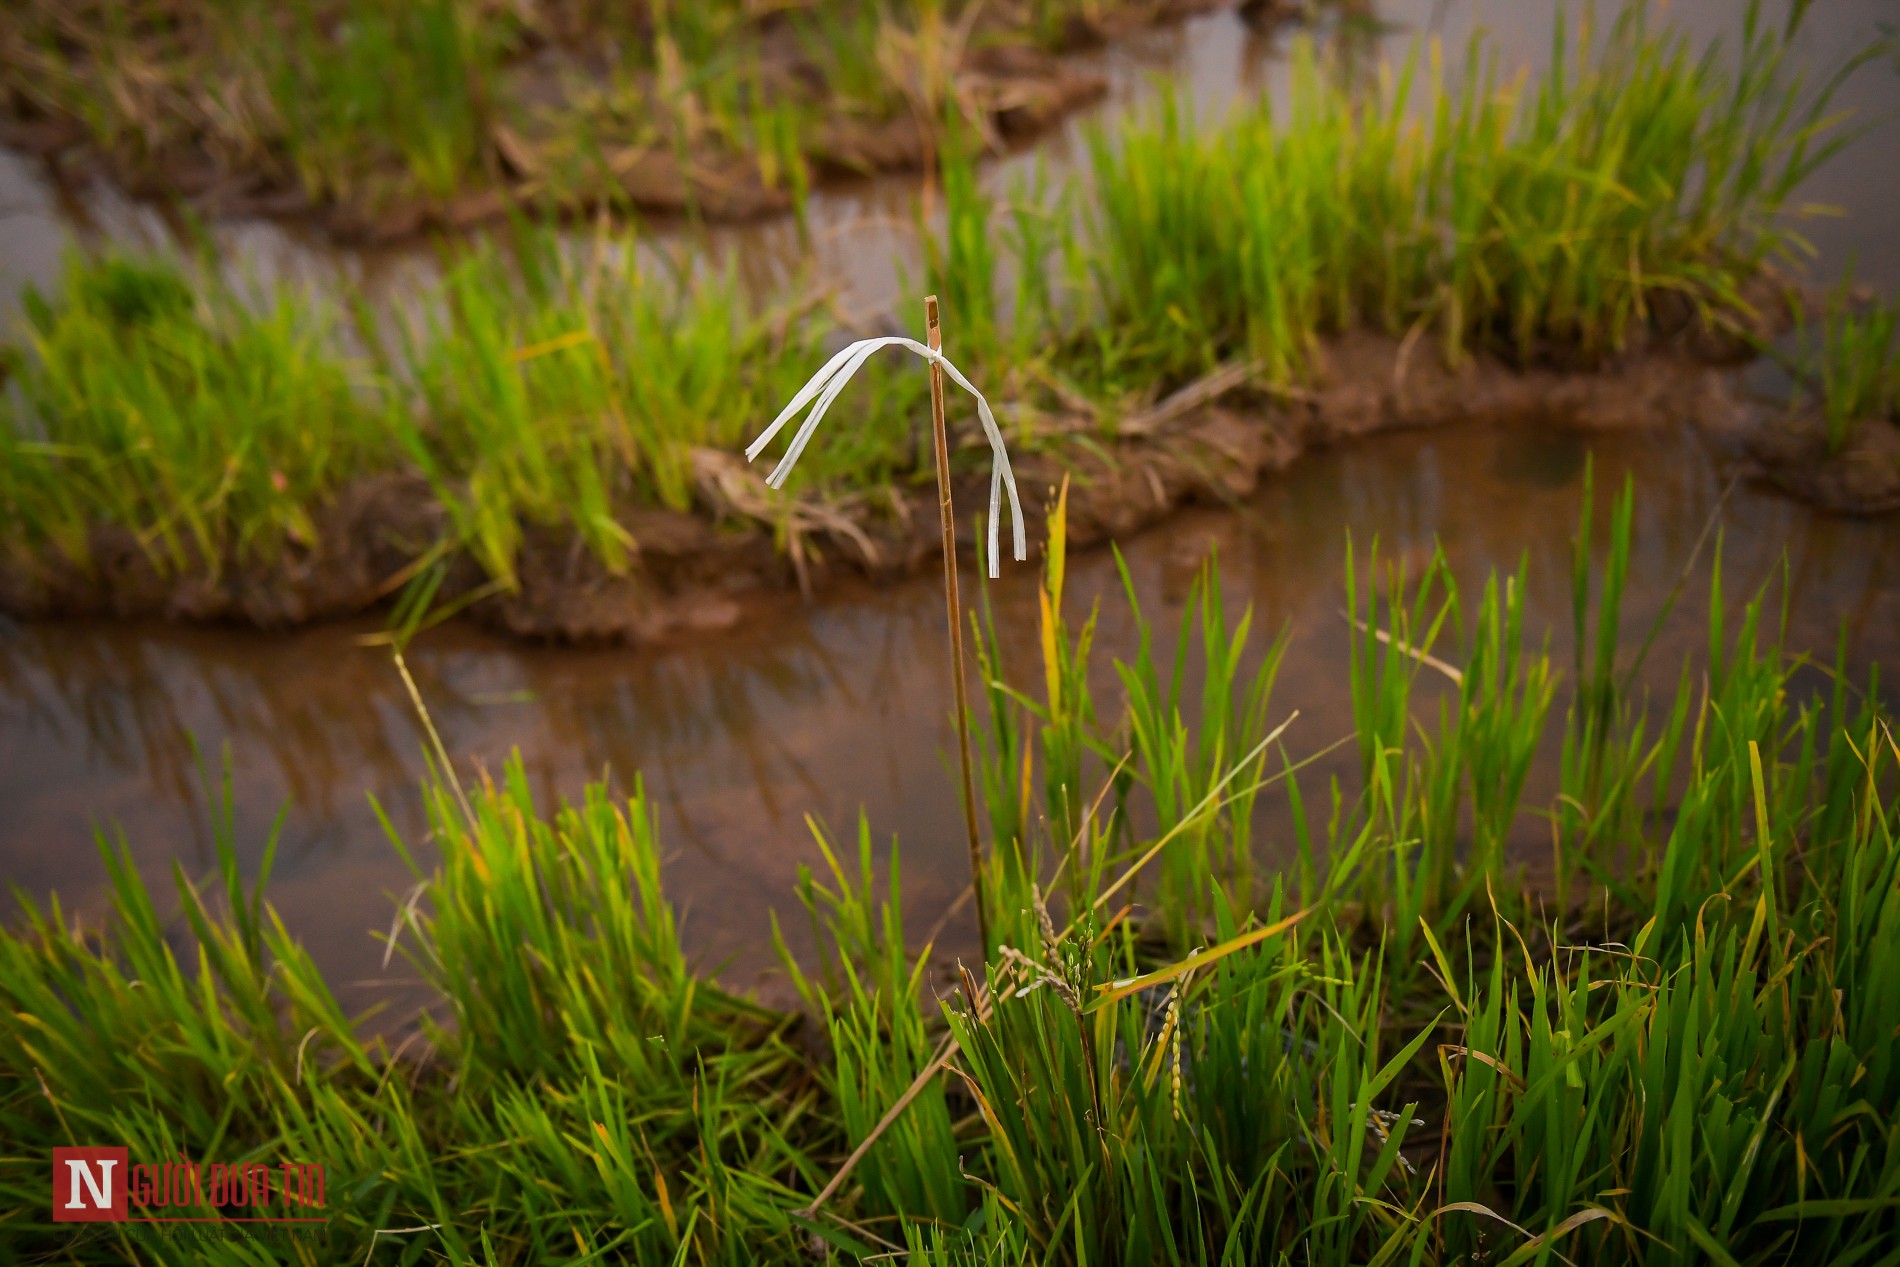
821	710
840	708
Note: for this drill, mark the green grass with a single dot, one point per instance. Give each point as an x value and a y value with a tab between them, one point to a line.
1521	219
380	104
150	401
543	387
557	389
1853	367
406	89
1396	1051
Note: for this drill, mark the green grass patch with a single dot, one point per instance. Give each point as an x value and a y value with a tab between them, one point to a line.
1680	1045
383	106
1853	366
150	399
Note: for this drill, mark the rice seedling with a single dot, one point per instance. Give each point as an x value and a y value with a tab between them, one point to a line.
1064	733
154	400
1855	369
865	987
557	388
1219	761
1690	1059
1517	220
420	79
395	114
962	264
546	388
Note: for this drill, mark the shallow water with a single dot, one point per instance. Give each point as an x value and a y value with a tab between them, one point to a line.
828	708
842	706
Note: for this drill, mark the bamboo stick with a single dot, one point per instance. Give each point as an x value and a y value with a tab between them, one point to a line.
954	610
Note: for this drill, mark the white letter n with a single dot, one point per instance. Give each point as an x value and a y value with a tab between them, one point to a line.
101	1192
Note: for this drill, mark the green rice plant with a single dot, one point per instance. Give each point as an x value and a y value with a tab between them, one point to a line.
1403	803
554	390
1855	369
1525	223
176	1038
1693	1060
1665	1103
1035	235
417	80
154	400
841	41
524	419
961	264
1188	771
382	105
542	390
642	1095
865	993
1060	728
1137	1122
1441	808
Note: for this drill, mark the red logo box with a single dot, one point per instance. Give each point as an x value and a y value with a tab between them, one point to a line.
89	1185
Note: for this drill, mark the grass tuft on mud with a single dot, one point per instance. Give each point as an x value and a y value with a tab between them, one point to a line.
1837	441
1640	180
390	115
1855	369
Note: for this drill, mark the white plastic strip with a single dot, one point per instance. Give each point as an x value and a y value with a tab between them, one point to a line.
823	389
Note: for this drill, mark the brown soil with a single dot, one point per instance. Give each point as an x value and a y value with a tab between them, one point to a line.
1009	90
1791	451
1368	384
741	547
370	533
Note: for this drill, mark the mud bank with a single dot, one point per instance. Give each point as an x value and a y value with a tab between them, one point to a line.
1791	451
557	137
1209	443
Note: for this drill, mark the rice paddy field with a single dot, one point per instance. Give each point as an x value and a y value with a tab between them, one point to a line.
1432	781
383	119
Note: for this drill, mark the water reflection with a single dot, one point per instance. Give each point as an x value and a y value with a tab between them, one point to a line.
834	708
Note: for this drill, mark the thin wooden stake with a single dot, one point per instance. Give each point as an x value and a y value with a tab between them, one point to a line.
954	609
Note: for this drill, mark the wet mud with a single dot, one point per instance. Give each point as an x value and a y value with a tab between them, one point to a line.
1208	444
1861	477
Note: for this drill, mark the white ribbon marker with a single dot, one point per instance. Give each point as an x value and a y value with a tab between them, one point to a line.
829	381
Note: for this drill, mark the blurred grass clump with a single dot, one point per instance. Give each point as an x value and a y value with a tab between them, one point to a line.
1854	368
392	112
150	400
